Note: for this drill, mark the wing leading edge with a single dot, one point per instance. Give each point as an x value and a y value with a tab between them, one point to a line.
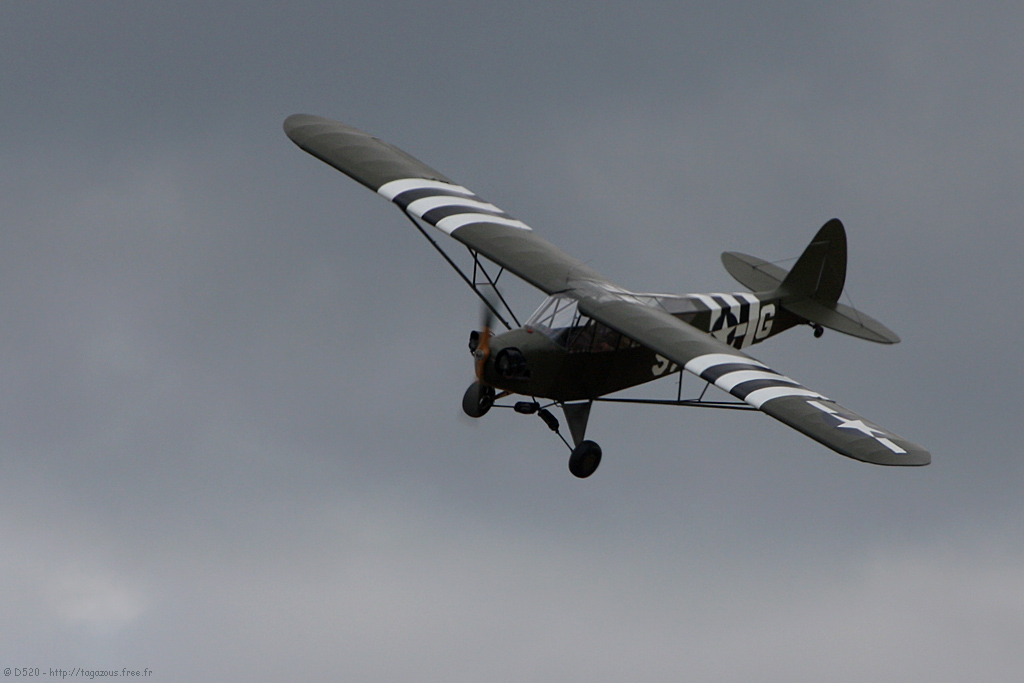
430	198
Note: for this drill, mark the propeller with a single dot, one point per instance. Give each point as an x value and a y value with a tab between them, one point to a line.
483	346
479	397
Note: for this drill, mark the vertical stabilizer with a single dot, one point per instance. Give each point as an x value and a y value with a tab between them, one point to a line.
820	272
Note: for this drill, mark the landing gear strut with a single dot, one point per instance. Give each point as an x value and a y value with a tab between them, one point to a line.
584	455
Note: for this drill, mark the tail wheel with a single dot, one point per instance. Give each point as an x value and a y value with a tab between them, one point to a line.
584	459
477	400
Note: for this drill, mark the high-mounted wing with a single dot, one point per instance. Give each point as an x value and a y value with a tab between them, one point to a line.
430	198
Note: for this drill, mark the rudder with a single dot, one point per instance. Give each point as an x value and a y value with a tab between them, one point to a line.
820	272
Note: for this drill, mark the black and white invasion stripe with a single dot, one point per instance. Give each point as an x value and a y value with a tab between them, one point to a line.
734	318
446	206
745	378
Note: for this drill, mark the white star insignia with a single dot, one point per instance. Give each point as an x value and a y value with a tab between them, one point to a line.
859	425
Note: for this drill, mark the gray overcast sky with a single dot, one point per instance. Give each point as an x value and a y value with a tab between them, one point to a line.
231	447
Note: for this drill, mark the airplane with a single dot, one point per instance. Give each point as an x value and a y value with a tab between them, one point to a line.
591	338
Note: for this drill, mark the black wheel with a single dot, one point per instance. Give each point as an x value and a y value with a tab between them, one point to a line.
477	400
584	459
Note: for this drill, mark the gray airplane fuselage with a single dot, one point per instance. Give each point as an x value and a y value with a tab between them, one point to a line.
562	355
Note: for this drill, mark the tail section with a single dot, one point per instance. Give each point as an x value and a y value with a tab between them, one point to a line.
820	272
811	290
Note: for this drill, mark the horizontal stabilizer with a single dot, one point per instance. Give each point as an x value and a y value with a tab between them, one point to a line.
753	273
843	319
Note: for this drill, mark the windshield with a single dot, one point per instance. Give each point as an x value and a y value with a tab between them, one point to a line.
559	318
557	312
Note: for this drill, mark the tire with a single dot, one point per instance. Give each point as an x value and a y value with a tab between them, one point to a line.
584	459
477	400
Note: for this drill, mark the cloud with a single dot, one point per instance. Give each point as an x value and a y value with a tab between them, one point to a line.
370	587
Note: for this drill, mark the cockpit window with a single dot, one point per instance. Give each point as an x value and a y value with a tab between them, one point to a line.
559	318
555	313
593	337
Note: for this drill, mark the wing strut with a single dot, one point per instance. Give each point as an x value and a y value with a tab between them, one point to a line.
474	282
478	267
698	402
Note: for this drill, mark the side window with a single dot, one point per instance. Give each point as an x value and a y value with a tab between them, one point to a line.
593	337
581	337
627	343
605	339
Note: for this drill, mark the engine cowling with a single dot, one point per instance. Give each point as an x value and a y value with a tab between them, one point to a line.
510	363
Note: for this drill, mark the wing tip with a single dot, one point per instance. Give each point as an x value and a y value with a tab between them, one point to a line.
300	126
293	123
912	456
